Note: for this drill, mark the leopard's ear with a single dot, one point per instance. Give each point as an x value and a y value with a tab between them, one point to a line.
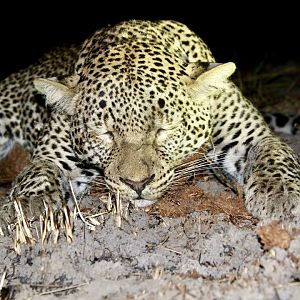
210	78
59	96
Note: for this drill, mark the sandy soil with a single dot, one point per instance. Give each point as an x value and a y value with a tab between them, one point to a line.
200	255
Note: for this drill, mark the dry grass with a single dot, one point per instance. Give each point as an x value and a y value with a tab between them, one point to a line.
191	198
52	224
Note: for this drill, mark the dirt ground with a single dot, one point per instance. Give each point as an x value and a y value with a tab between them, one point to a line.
207	247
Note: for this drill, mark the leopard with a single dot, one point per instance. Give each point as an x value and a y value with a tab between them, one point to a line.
127	108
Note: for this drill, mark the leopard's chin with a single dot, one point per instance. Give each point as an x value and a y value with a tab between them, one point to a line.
140	203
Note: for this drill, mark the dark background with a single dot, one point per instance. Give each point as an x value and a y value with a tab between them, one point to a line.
247	33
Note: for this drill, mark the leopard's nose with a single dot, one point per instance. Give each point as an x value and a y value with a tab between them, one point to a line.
137	186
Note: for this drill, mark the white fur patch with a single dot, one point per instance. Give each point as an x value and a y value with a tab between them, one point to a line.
143	202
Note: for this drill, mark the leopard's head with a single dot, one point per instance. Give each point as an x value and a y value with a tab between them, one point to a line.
137	115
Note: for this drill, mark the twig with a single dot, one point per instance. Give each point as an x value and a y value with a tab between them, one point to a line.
118	210
23	233
63	289
172	250
2	280
67	224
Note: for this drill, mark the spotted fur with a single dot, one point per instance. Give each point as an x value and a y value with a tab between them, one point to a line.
132	103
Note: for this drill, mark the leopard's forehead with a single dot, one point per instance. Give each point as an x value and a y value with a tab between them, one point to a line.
136	84
135	63
139	54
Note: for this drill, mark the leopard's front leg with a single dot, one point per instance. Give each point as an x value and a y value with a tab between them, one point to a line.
267	169
44	184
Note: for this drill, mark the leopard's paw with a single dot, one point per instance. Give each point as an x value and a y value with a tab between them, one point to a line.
37	194
277	207
272	198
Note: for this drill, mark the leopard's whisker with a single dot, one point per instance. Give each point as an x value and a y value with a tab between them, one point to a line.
204	160
197	168
97	183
